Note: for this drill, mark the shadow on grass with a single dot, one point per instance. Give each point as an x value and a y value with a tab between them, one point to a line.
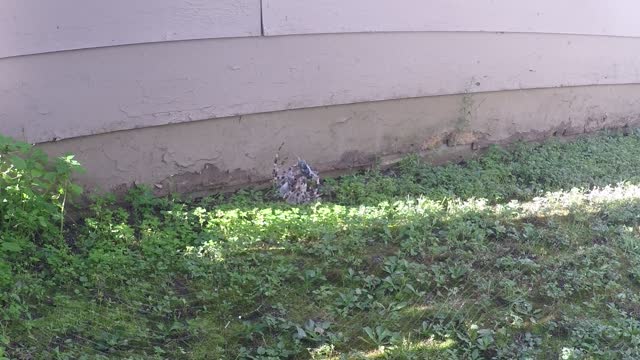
428	278
490	280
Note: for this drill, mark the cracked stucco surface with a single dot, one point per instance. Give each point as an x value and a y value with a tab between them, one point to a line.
77	93
238	150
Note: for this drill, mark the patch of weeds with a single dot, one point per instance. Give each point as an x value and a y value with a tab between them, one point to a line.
521	254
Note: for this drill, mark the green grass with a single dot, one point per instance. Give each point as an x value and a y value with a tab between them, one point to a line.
532	253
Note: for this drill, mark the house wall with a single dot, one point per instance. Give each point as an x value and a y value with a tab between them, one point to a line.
197	95
40	26
585	17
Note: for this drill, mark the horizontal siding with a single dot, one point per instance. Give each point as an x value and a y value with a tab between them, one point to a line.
70	94
594	17
39	26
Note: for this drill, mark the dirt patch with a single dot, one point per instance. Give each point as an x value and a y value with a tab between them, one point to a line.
210	178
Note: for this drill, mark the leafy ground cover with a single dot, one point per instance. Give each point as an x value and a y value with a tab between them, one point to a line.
531	253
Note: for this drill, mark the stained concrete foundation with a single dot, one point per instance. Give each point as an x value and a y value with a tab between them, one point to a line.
217	154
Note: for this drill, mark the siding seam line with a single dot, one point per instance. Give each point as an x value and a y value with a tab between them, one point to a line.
261	20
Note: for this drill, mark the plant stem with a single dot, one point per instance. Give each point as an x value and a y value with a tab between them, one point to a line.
64	200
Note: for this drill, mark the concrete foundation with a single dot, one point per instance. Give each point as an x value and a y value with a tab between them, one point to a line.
217	154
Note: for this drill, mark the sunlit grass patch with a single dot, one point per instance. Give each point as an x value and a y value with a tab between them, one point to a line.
414	349
530	253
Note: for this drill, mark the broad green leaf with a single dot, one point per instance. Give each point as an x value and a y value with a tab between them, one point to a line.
11	247
18	162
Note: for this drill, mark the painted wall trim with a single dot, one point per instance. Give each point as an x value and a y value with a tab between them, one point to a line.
70	94
40	26
588	17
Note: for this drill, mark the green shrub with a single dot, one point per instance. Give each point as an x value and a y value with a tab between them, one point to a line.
34	192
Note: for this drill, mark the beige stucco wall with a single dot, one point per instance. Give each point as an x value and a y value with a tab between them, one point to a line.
199	94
